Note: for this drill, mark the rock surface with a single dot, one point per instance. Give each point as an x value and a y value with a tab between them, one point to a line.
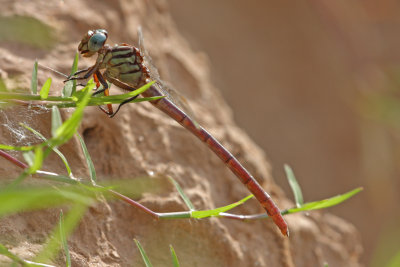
141	140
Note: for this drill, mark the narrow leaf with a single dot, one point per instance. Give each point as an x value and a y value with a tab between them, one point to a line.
44	92
187	201
298	196
72	219
38	160
29	157
145	258
63	238
70	126
56	150
17	148
56	120
70	86
174	257
89	161
119	98
34	78
32	198
215	212
4	251
321	204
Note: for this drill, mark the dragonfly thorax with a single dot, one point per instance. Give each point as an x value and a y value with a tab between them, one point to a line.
125	63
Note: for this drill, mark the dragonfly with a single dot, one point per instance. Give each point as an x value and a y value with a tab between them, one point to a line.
129	67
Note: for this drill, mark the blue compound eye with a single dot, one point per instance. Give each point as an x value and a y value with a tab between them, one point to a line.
97	41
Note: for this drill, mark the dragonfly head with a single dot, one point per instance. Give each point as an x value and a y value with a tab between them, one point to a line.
92	42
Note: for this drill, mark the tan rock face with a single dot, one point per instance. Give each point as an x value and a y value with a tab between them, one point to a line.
141	140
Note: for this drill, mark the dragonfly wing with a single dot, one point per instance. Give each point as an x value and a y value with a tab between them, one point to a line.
164	87
148	61
178	99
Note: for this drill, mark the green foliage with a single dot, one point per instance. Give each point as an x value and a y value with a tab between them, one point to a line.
34	78
325	203
70	86
63	240
26	31
395	260
145	258
215	212
89	161
174	257
44	92
185	199
55	240
298	195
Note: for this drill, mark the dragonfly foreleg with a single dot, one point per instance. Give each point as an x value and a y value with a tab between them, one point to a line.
98	78
78	72
102	81
89	71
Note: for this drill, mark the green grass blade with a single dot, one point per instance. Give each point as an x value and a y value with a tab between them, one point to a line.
215	212
114	99
122	97
34	78
56	120
16	259
298	196
70	126
29	157
89	161
44	92
31	263
187	201
394	261
174	257
34	159
38	160
52	247
70	86
63	238
322	204
19	199
145	258
4	251
56	150
17	148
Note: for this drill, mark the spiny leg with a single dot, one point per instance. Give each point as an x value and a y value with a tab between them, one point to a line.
78	72
124	86
98	78
89	71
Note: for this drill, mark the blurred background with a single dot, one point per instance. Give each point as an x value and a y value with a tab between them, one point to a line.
317	85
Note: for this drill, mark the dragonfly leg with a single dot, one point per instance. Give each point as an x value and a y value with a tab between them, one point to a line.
123	86
78	72
98	78
89	72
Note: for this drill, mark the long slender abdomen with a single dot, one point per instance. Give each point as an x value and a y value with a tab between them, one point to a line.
233	164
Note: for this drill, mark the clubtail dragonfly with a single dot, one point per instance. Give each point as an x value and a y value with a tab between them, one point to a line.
129	67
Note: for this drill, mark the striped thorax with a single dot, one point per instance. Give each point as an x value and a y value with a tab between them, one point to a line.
122	62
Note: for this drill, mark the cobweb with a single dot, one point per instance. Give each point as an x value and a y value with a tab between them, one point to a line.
12	132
